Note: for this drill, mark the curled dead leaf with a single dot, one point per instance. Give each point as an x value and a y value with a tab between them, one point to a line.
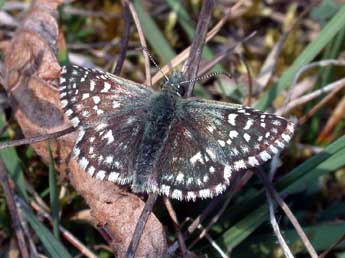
31	72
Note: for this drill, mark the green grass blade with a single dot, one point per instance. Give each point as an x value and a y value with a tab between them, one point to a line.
254	204
236	234
153	35
310	52
13	166
322	237
54	196
51	244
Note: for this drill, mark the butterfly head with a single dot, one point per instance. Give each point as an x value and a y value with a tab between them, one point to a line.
174	84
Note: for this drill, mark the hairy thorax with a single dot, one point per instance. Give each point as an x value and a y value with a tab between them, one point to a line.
159	119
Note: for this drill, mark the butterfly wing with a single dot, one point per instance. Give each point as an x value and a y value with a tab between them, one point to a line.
212	140
110	114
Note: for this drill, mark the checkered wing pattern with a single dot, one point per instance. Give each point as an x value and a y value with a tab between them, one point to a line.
110	115
210	141
89	96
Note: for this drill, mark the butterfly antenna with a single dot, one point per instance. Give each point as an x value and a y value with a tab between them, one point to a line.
154	62
207	76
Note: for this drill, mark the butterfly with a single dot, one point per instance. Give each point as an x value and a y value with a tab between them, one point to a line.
160	141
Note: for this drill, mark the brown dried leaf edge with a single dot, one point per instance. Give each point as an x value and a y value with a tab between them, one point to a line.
31	72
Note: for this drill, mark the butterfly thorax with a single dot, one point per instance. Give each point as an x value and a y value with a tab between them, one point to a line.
174	85
161	113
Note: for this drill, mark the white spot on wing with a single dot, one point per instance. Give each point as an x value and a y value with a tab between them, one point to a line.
221	143
107	87
211	153
113	177
286	137
100	175
91	170
180	177
233	134
64	103
109	159
191	196
69	112
177	194
165	189
227	172
75	121
96	99
116	104
92	85
76	151
196	157
83	162
232	119
265	156
204	193
109	136
100	127
252	161
85	96
246	137
249	123
239	164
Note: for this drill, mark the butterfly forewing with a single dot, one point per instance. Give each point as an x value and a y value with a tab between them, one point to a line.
89	95
211	140
110	113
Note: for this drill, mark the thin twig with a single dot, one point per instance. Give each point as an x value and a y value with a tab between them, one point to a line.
173	217
213	243
40	138
250	81
333	246
306	67
286	250
318	106
227	48
142	41
185	53
124	38
9	195
192	64
337	85
139	229
288	213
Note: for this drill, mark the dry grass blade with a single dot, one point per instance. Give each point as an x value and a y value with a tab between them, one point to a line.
337	85
142	41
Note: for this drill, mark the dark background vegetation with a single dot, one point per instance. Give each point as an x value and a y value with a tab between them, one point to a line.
311	177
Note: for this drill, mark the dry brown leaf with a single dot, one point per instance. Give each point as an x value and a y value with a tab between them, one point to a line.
326	134
31	72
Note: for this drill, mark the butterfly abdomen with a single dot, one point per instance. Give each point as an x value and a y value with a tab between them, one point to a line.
159	120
